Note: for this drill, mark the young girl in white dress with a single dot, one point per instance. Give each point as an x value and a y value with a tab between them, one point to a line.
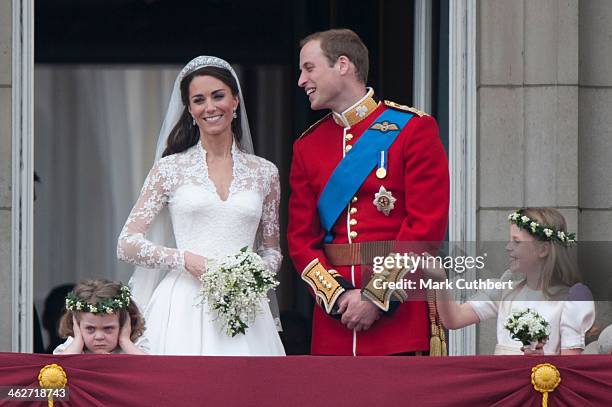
101	317
548	283
220	198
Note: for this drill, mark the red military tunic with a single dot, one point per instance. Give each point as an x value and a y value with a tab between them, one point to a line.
417	177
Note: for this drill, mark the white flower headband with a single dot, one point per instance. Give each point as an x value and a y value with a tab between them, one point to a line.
542	232
106	306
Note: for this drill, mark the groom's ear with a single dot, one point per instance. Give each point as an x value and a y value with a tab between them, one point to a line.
344	64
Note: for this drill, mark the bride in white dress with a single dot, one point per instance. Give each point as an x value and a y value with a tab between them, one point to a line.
220	198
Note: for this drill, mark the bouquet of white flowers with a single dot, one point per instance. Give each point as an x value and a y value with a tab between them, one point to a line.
234	288
528	326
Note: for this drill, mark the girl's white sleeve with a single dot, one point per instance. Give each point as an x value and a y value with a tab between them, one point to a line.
576	319
485	303
61	348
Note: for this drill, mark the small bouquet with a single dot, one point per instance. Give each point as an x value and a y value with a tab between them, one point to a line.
528	326
234	288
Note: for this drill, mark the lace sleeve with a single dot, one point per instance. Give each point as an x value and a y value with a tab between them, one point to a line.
133	247
269	247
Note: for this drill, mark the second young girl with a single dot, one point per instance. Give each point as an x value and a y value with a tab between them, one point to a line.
548	283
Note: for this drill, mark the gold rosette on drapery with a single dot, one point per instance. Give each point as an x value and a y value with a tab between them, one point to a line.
545	379
52	377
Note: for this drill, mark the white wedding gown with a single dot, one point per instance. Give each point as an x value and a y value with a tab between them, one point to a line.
204	224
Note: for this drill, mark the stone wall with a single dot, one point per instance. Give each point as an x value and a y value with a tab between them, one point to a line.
5	174
544	128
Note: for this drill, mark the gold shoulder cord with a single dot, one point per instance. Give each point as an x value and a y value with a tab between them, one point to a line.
437	340
314	125
405	108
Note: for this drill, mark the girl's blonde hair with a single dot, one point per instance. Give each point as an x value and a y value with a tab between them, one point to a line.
94	291
560	267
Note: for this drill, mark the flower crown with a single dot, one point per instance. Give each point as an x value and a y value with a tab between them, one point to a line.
542	232
106	306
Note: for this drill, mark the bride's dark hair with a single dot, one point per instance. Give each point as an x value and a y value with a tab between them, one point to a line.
185	134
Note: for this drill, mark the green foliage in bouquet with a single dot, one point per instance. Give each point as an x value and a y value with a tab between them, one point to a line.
528	326
234	289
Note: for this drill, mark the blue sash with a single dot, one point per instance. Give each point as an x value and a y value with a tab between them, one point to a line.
355	167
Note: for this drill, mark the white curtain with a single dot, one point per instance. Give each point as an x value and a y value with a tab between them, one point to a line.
95	133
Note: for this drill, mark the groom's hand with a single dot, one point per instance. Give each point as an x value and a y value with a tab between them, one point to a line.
357	313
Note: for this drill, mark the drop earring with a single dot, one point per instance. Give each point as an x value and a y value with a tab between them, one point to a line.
194	122
235	115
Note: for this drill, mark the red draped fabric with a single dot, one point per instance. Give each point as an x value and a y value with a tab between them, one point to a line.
125	380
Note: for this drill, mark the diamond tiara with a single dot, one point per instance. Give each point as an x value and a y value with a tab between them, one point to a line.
202	61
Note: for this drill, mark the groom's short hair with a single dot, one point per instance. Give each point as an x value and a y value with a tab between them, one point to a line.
342	41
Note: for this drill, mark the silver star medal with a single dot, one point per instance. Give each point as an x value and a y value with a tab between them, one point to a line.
384	201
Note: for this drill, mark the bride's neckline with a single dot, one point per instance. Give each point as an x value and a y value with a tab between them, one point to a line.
234	154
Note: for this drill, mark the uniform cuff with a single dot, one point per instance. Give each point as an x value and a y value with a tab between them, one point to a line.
381	289
326	284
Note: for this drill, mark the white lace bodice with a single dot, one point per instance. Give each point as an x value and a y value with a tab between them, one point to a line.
202	222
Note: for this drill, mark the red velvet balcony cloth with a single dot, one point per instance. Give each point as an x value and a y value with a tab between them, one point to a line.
125	380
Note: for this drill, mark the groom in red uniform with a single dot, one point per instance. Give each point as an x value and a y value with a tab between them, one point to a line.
368	174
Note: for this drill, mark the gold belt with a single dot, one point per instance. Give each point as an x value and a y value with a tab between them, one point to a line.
355	254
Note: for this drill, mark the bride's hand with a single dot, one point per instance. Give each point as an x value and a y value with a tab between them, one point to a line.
195	264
